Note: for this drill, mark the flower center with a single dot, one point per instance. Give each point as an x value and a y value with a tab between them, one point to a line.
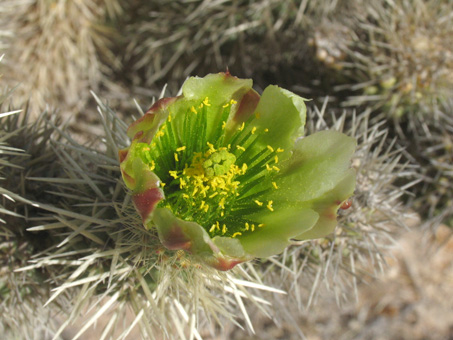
208	180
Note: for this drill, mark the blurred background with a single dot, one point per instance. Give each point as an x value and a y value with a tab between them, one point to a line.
390	61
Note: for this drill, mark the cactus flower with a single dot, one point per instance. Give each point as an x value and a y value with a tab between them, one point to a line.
223	173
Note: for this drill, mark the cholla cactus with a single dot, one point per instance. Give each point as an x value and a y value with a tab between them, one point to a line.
429	140
400	57
54	50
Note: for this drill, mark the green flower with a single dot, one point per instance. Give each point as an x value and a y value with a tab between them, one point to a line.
220	172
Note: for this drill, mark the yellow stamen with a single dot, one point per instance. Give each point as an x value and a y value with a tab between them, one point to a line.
222	213
169	117
259	203
242	126
253	130
236	234
222	203
244	168
276	159
260	225
162	184
211	147
240	147
159	133
253	227
266	130
213	195
268	167
206	101
275	185
185	196
271	149
152	166
173	173
224	229
269	205
247	226
223	124
212	228
202	205
280	150
232	101
206	208
176	157
276	168
193	110
182	148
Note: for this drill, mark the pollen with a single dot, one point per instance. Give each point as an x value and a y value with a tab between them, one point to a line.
173	173
269	205
253	130
280	150
169	117
253	227
159	133
275	185
224	229
182	148
247	226
176	157
232	101
212	228
240	147
185	196
276	159
211	147
260	225
268	167
242	126
193	109
271	149
152	166
266	130
206	101
236	234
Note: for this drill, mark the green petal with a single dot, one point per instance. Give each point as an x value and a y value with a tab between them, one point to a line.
279	227
283	114
327	206
219	88
175	233
318	163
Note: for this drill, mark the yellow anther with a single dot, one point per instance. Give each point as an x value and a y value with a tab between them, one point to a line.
213	195
229	147
224	229
176	157
271	149
259	203
146	148
206	101
276	159
244	168
159	133
253	130
226	105
185	196
269	205
222	203
195	190
202	205
275	185
268	167
232	101
206	208
280	150
211	147
173	173
169	117
162	184
240	147
153	145
260	225
253	227
223	124
236	234
212	228
217	225
276	168
152	166
193	110
182	183
247	226
266	130
242	126
182	148
222	213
